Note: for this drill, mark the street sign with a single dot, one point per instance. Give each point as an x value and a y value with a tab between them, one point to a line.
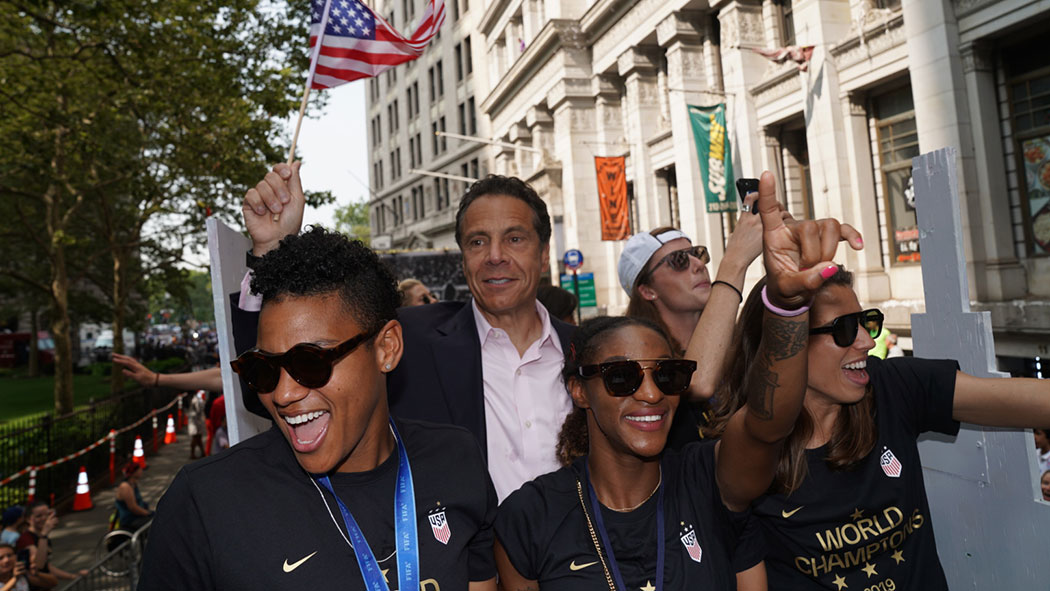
585	283
573	259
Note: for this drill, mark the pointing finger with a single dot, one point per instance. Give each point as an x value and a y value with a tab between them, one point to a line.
852	236
768	206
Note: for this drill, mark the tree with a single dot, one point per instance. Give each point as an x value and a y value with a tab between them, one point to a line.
114	112
352	220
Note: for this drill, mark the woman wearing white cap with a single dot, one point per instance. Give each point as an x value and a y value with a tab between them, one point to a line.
669	283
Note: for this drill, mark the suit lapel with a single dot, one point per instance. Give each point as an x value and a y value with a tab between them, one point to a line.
457	355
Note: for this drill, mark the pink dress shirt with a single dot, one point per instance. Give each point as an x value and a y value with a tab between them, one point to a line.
525	403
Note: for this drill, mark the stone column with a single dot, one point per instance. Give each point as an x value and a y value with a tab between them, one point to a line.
541	127
997	273
822	23
637	66
859	204
680	34
575	134
942	112
742	29
520	136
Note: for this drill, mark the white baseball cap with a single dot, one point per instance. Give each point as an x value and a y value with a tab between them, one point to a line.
640	248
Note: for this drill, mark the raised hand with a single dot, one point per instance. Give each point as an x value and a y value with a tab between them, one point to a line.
135	370
280	192
798	254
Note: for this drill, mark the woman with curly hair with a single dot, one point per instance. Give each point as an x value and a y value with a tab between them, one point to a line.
848	506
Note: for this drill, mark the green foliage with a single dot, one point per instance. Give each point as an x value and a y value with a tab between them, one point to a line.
352	220
122	124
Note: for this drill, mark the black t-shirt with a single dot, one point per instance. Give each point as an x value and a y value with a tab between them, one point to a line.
545	534
864	528
250	518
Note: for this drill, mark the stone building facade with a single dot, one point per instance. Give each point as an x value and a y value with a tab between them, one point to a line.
888	79
405	106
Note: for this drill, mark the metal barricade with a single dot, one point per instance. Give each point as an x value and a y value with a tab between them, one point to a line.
117	568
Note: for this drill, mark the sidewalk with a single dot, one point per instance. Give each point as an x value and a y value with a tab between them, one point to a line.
78	534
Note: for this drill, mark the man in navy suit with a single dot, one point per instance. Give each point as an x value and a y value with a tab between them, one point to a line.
492	365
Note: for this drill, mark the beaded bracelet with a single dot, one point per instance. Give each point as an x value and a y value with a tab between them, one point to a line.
729	285
781	311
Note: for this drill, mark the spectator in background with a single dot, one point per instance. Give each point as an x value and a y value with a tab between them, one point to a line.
894	349
14	522
132	510
561	303
1042	443
196	425
414	293
11	570
1044	485
42	574
216	419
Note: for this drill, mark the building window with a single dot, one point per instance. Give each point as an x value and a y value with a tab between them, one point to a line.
419	150
412	152
430	78
898	143
455	10
890	4
1028	91
462	118
787	22
459	62
474	171
408	102
468	59
440	72
413	100
472	116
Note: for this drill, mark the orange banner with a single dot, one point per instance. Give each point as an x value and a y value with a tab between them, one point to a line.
612	197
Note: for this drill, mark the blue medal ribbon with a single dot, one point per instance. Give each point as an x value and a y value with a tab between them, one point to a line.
600	523
406	538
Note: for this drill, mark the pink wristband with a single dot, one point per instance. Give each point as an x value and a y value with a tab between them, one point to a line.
781	311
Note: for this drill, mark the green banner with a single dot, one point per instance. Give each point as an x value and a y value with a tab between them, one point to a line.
588	295
715	155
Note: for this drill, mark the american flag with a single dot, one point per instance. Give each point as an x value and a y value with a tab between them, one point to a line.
890	464
357	43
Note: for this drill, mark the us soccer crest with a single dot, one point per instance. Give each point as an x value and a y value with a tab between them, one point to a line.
890	464
439	525
692	545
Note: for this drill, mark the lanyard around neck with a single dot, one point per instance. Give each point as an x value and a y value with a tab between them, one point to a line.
406	542
600	523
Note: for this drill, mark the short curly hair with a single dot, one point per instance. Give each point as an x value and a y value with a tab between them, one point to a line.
510	186
318	262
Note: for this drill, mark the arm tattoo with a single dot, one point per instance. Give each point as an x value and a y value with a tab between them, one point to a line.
782	339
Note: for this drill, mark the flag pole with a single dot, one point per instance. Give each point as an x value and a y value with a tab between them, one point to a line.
306	91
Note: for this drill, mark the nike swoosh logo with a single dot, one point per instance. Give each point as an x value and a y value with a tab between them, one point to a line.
574	566
290	567
786	514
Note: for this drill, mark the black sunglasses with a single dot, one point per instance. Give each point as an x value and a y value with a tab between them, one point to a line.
623	378
308	364
844	328
679	260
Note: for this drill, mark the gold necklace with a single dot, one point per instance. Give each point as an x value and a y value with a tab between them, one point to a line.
629	509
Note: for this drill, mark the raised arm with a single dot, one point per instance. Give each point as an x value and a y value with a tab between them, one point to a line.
798	259
205	379
1001	402
710	341
280	192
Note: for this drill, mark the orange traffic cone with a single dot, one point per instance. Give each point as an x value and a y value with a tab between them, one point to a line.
82	502
169	432
139	456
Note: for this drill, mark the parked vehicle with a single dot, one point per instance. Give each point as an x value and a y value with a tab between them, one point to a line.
14	349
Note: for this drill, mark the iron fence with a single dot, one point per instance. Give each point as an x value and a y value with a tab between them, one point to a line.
115	569
35	441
